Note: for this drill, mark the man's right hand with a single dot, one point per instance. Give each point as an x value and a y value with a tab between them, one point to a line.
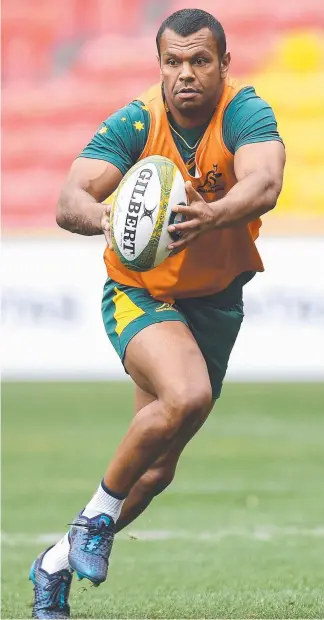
105	224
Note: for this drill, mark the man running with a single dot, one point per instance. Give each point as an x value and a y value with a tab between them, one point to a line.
173	327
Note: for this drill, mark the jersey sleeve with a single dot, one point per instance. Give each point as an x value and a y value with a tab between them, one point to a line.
248	119
121	138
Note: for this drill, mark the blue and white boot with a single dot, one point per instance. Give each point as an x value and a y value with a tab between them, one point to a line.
51	591
91	541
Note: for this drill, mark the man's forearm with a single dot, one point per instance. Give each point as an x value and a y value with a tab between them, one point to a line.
79	212
247	200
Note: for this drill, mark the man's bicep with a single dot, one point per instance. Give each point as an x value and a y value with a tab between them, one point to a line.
99	178
264	157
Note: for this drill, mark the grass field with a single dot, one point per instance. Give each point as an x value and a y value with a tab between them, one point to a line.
240	534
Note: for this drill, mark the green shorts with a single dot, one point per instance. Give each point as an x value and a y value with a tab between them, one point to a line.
214	321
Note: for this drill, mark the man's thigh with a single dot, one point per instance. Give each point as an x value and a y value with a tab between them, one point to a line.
127	310
215	326
165	361
153	341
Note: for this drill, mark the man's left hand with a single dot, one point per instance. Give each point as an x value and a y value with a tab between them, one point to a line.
200	217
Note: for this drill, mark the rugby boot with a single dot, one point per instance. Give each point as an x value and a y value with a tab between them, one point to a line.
91	541
51	591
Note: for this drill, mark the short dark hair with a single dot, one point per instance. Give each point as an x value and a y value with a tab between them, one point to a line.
188	21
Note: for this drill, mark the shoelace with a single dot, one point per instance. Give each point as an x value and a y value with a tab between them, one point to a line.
57	591
95	534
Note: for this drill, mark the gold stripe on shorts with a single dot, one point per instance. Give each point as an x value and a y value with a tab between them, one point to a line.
126	310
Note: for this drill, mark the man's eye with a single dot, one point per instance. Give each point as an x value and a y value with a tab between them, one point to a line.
172	62
200	61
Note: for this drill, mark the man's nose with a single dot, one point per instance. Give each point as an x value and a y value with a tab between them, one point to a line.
187	73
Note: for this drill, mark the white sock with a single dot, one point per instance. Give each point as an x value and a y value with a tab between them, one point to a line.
103	502
57	558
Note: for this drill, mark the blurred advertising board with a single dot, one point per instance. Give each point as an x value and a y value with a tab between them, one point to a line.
51	316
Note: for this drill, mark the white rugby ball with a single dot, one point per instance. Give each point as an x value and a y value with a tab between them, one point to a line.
142	211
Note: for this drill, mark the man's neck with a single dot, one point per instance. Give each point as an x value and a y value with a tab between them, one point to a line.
192	132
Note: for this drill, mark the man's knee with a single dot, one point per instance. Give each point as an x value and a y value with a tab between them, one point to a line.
187	406
156	480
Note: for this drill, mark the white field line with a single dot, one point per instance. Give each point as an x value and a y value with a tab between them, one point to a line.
265	533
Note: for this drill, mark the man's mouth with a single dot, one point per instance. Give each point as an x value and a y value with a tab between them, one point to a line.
187	89
187	92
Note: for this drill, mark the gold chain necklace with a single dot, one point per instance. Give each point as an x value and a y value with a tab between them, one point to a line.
191	148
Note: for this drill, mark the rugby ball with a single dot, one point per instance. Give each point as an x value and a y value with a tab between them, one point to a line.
142	211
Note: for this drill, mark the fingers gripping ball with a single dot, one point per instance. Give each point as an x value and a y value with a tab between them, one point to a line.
142	211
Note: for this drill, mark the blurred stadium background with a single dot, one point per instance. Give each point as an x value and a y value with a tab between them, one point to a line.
253	482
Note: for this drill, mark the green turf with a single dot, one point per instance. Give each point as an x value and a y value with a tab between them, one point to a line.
246	509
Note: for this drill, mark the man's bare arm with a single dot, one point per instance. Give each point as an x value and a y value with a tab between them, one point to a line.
259	171
90	181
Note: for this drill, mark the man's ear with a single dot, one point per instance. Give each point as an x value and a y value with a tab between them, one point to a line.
224	65
159	61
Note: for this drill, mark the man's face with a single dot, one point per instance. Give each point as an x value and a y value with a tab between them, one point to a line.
191	70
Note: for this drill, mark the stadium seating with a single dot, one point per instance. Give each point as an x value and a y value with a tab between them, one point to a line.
66	66
293	82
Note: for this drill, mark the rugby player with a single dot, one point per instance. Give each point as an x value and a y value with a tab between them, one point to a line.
173	327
